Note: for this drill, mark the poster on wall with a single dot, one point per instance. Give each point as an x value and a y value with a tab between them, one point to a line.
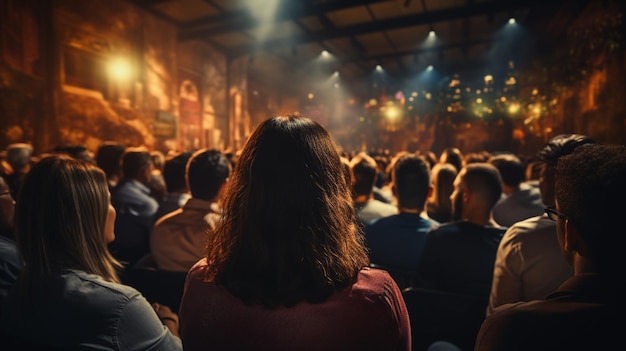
190	111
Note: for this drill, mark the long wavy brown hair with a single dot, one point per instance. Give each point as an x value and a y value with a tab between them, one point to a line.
289	231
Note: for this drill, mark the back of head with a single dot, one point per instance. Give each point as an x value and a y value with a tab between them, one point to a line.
561	145
7	209
174	172
364	171
135	160
555	148
591	191
77	151
158	159
411	178
442	175
453	156
19	155
511	168
206	172
108	158
60	217
289	231
484	180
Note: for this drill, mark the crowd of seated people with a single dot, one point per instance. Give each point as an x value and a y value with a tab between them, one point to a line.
446	221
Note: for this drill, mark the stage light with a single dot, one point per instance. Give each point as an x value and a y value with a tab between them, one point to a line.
120	69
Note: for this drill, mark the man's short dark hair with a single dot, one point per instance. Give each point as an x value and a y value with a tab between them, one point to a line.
591	192
207	170
562	145
174	172
364	171
411	177
511	168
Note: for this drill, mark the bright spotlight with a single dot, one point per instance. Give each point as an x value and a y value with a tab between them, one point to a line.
379	68
512	21
325	54
514	108
392	113
429	68
431	34
336	74
120	69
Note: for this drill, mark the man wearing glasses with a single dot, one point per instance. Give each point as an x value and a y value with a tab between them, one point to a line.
529	264
586	311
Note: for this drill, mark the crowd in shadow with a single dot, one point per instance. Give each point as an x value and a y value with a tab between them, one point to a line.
294	244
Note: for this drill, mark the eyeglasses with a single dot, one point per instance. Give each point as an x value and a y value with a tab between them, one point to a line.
554	214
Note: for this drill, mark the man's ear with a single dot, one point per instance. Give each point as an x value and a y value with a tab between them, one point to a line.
467	194
572	241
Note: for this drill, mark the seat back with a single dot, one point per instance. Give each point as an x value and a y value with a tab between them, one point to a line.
10	342
156	285
437	315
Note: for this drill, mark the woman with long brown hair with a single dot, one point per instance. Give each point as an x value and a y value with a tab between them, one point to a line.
287	269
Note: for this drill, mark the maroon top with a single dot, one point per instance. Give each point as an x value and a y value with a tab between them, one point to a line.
369	315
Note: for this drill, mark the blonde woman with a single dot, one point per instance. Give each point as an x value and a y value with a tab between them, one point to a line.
69	295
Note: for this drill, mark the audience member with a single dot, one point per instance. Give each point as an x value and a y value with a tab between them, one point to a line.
7	209
396	241
529	264
382	188
458	256
586	311
68	294
364	169
177	190
520	200
287	270
136	208
10	261
178	239
77	151
157	185
17	164
453	156
109	159
439	206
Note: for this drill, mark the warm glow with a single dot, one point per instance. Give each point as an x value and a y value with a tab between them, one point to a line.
513	108
392	113
311	96
511	81
119	69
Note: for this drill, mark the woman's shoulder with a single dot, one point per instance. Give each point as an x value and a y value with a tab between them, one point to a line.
375	282
83	283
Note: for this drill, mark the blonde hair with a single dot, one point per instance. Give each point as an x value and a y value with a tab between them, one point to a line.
60	217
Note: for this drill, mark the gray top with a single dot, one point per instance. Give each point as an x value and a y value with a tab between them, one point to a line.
77	310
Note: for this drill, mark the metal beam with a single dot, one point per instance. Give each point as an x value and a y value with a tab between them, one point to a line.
233	21
399	22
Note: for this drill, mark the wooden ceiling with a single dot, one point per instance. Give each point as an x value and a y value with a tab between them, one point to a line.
285	35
